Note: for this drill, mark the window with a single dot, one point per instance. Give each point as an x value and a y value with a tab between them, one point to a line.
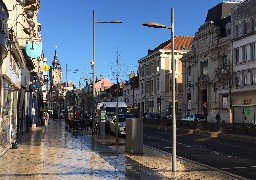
225	62
152	86
189	74
244	79
142	88
147	72
157	65
254	78
253	25
204	67
157	84
236	31
244	53
236	53
252	51
245	28
147	87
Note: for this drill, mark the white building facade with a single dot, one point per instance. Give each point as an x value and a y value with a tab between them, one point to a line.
155	76
244	61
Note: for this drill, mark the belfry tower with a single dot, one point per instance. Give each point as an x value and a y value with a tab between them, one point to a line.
55	71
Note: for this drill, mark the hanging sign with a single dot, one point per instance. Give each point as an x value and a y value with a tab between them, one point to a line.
34	49
46	67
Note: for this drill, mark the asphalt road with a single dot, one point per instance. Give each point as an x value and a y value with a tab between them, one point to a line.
234	156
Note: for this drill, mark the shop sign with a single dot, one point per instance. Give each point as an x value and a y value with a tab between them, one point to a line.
34	49
225	102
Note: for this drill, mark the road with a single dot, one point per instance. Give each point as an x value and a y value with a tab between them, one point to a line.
234	156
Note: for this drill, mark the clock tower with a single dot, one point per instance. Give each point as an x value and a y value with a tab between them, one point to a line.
55	71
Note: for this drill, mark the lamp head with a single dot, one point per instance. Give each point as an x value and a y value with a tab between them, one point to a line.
22	2
31	23
155	25
29	13
27	31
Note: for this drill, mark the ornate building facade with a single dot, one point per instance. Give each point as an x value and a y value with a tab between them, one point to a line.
206	68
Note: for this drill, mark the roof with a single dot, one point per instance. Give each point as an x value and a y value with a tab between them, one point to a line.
180	43
104	81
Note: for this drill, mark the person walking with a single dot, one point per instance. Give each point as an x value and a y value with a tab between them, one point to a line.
46	119
217	117
243	117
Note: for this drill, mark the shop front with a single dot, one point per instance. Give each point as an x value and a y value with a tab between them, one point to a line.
244	108
10	86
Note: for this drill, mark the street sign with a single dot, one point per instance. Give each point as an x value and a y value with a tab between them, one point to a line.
34	49
46	67
35	86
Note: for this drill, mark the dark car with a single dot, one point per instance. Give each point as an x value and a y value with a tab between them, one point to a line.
154	115
194	117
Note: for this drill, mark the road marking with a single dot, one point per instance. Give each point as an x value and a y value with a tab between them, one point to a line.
240	167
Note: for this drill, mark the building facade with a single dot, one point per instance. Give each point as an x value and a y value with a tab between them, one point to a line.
207	67
19	27
155	76
244	62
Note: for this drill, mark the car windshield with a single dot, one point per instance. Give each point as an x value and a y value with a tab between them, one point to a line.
121	118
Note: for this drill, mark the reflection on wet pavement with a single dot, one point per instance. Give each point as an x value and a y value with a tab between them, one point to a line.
57	154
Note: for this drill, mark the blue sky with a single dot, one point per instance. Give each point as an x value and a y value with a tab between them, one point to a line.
68	25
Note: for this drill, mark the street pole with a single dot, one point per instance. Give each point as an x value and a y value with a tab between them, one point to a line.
66	108
159	25
174	165
93	63
117	90
93	70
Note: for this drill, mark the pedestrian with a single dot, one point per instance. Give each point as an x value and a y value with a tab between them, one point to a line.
217	117
46	119
243	117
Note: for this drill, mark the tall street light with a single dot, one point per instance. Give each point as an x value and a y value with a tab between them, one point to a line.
158	25
93	63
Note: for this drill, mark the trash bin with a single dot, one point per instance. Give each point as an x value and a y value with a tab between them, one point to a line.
134	135
102	129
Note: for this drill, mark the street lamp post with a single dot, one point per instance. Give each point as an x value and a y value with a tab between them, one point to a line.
158	25
93	63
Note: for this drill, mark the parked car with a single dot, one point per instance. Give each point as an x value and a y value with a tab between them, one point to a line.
121	123
151	115
194	117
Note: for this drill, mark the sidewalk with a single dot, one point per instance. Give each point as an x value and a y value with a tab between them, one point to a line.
161	162
55	153
58	154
